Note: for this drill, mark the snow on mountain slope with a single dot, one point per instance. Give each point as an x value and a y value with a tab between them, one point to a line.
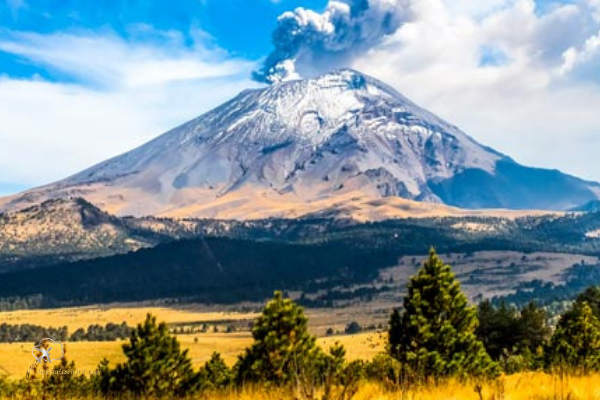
307	142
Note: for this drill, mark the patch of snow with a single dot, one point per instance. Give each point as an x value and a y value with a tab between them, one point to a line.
593	234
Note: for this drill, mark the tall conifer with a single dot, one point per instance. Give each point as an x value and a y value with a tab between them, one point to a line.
575	343
282	348
434	336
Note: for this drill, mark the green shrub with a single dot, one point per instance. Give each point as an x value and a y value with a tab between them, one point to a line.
352	328
64	381
155	366
513	363
387	370
340	378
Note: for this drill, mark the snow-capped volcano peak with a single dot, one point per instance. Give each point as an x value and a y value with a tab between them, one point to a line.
339	134
297	134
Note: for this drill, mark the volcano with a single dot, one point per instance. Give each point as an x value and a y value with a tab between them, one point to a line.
340	140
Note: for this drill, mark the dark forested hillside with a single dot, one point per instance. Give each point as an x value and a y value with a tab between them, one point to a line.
73	230
261	256
209	270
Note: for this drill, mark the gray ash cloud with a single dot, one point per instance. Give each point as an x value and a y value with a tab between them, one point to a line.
308	43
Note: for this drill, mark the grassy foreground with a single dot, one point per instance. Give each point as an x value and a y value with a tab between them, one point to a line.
521	386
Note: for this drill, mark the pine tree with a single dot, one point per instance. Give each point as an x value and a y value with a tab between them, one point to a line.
575	343
498	328
64	381
515	339
434	336
341	378
282	347
592	296
533	327
155	366
215	373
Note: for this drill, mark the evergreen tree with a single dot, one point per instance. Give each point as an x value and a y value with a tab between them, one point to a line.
435	334
215	373
282	347
592	296
498	328
155	366
516	339
505	331
341	378
352	328
576	340
533	328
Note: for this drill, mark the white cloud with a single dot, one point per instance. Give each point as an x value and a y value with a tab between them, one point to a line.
50	129
109	60
539	106
584	60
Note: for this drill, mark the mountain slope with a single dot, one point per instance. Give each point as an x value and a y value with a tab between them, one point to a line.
320	142
514	186
591	206
65	230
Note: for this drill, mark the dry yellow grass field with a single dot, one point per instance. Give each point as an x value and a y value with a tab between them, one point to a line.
524	386
15	358
82	317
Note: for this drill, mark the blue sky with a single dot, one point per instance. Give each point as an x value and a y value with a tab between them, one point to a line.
81	81
221	19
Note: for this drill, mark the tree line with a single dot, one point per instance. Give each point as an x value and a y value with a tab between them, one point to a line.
32	333
435	336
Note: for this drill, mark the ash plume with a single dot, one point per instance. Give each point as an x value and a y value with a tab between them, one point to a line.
308	43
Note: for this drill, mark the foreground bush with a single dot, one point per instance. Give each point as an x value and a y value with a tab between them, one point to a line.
341	379
387	370
155	366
